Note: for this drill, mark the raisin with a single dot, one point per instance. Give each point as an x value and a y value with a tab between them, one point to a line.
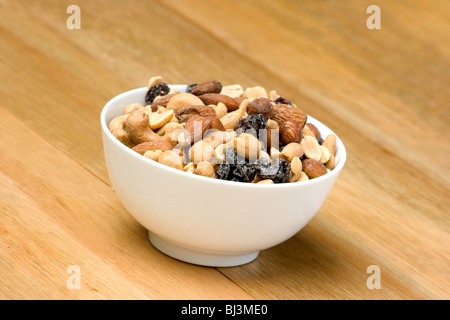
235	168
253	124
190	87
224	171
319	140
160	89
278	172
282	100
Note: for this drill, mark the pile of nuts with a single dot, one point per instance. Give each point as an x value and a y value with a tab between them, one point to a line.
226	132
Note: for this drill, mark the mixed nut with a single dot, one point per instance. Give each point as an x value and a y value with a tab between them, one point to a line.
226	132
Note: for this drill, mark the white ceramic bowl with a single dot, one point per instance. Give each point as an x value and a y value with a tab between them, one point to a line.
206	221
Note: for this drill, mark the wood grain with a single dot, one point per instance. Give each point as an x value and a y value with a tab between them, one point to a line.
384	92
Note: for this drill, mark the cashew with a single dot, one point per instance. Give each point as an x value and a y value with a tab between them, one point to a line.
255	92
234	90
181	100
117	128
138	127
230	120
131	107
221	109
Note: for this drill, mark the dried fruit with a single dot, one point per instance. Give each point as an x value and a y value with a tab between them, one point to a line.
282	100
160	89
190	87
260	106
253	124
278	172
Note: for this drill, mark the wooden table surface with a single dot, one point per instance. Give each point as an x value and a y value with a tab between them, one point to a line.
385	92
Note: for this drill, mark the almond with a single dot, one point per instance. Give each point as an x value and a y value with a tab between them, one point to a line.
196	126
283	112
290	131
209	86
154	145
313	168
162	101
184	113
314	129
217	124
214	98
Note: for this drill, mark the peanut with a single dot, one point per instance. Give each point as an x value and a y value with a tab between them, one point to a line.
248	146
293	150
172	159
311	148
205	169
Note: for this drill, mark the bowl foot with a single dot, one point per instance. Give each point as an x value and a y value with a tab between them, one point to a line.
201	257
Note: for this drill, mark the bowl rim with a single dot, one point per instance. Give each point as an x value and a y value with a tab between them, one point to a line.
339	147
